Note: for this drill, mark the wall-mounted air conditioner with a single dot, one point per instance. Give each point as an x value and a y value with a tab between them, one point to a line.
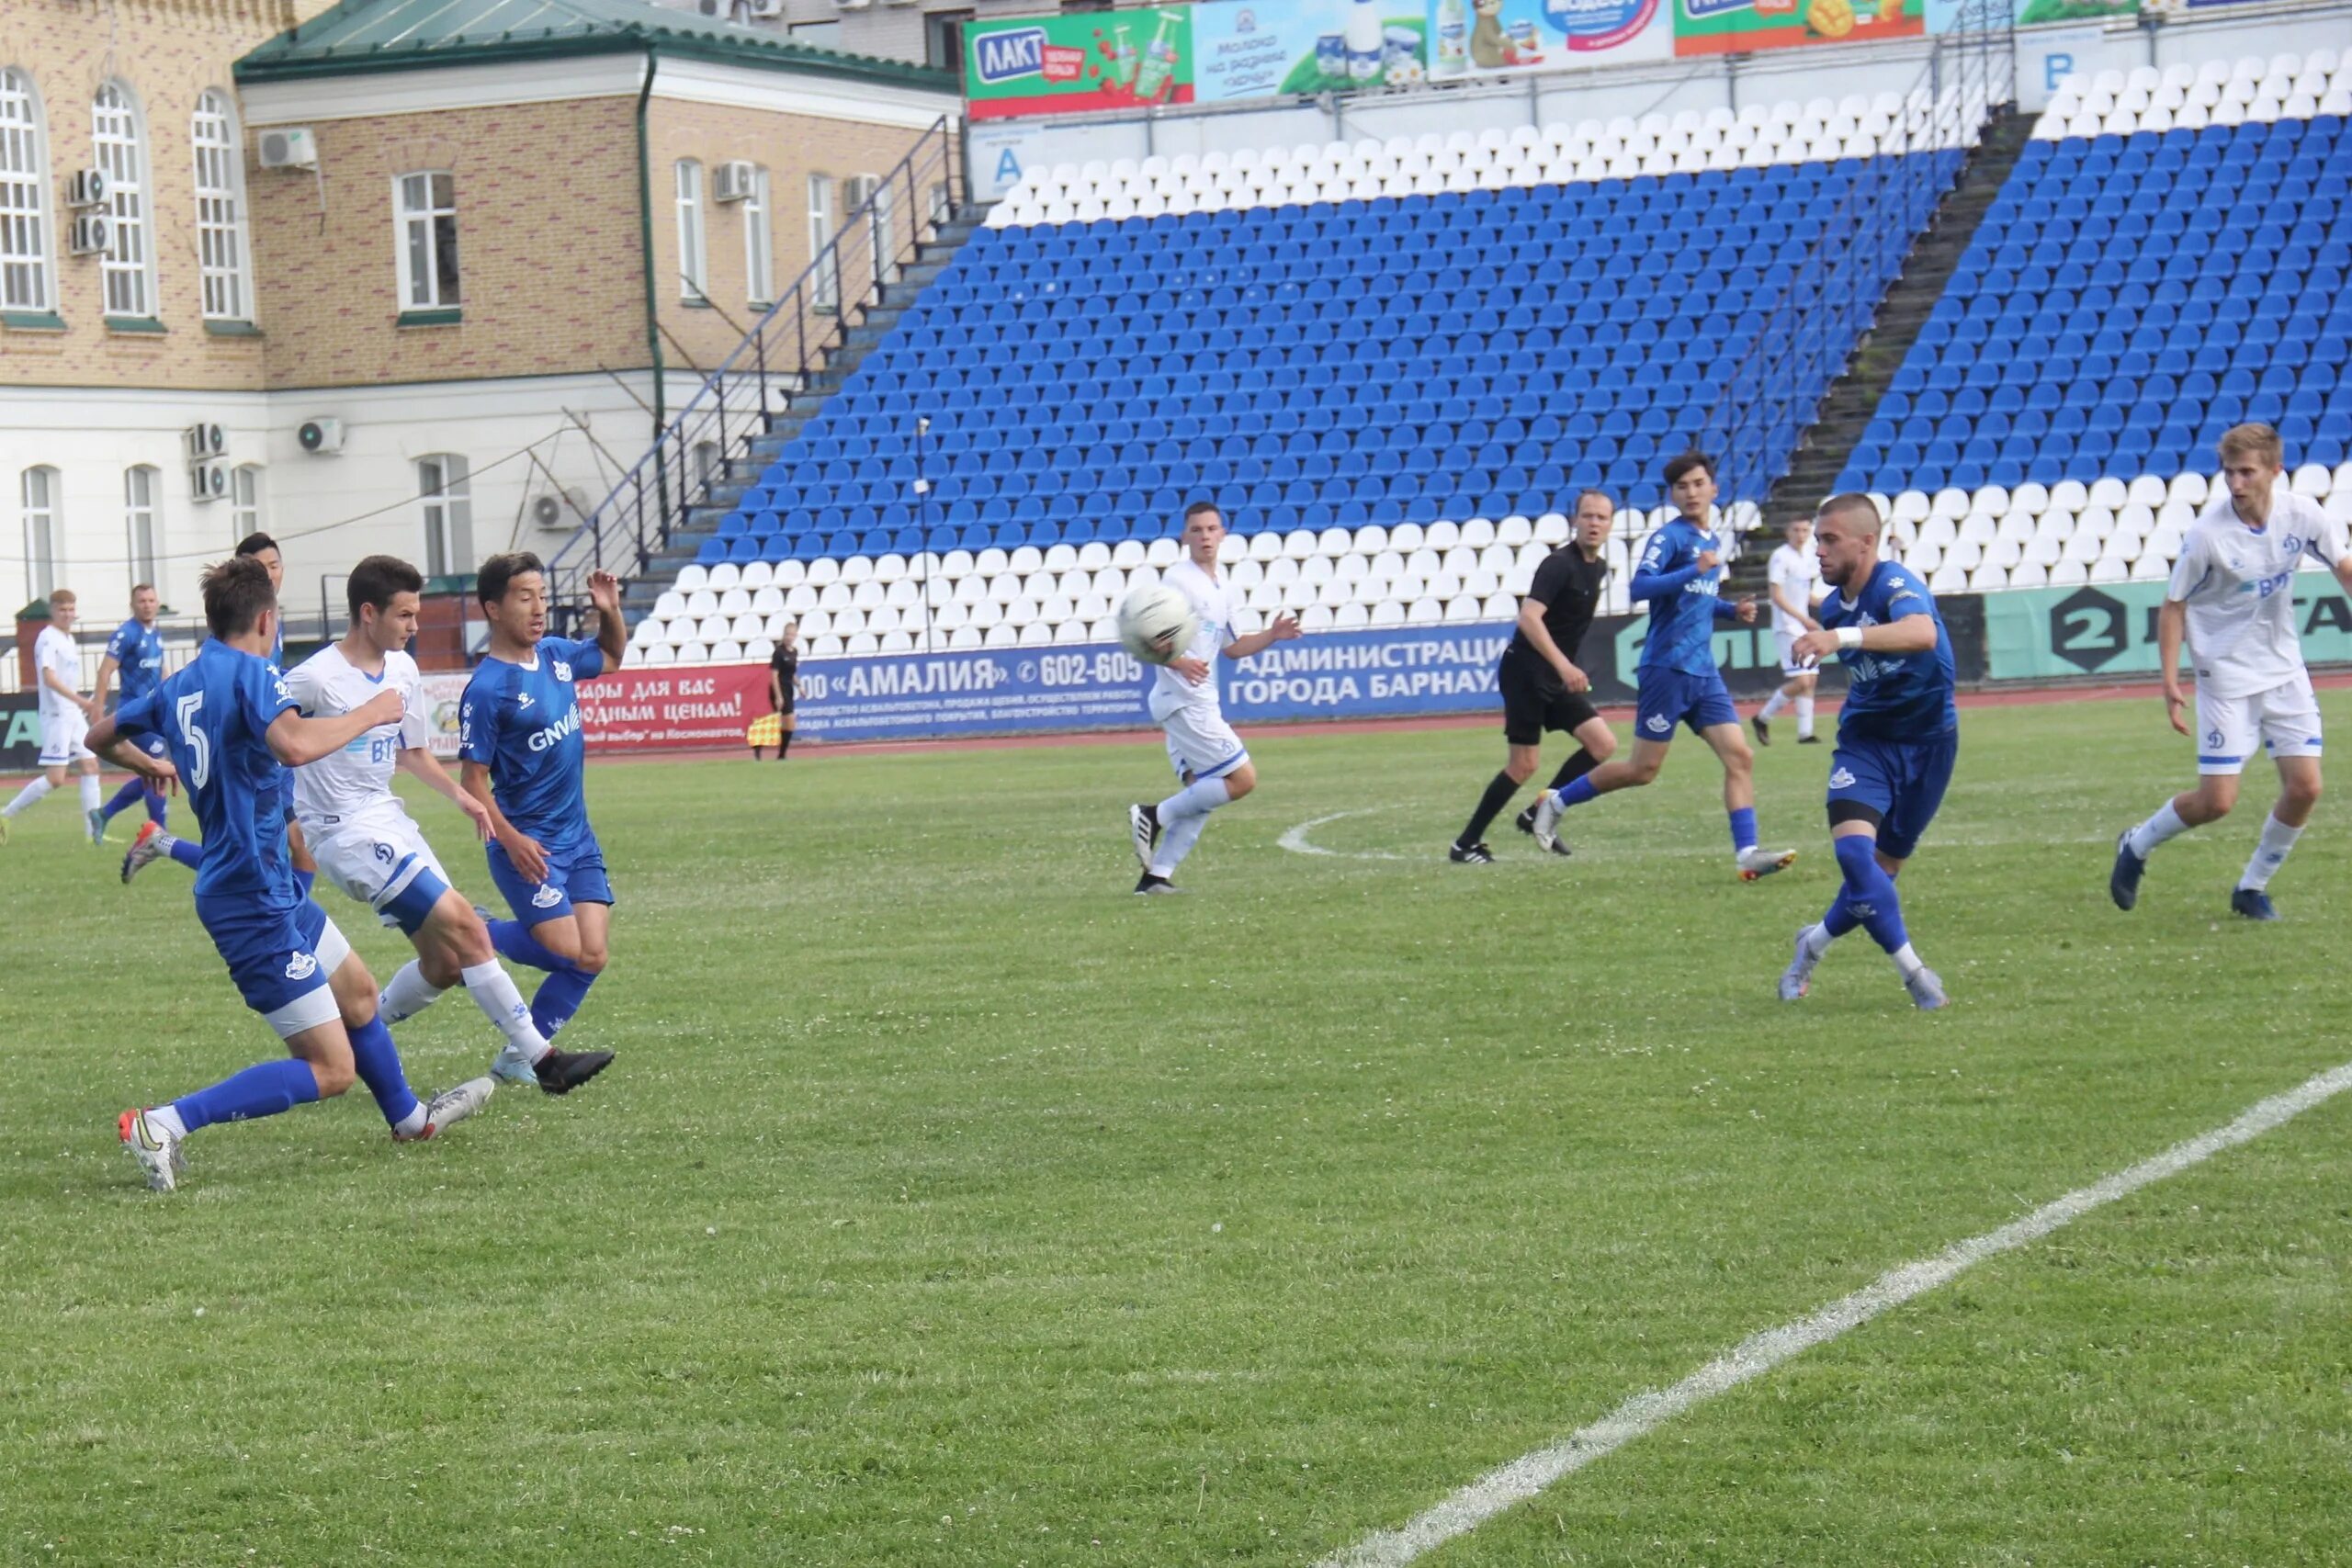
92	232
764	7
559	511
88	188
733	180
208	481
321	437
290	147
205	441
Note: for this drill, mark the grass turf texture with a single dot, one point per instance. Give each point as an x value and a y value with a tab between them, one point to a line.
948	1205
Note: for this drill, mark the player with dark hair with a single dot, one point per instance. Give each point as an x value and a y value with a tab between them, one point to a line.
137	653
1679	683
1542	686
1898	736
519	738
232	731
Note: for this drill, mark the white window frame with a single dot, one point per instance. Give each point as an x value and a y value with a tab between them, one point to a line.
28	267
445	492
759	242
245	500
824	295
419	225
223	246
36	489
119	144
142	488
694	248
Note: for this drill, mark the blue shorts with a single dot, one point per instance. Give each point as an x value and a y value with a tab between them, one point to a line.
279	958
575	876
153	744
1668	697
1902	782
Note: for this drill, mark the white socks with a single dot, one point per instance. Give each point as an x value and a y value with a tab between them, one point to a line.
1817	939
2270	854
1776	705
1176	842
1804	716
168	1117
2164	824
89	793
1196	799
494	992
1906	963
408	994
30	793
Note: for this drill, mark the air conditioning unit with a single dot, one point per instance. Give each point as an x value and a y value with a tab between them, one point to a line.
560	511
321	437
290	147
208	481
732	181
92	232
206	440
852	5
764	7
88	188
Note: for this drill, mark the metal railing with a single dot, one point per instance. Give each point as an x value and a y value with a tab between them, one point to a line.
781	354
1818	314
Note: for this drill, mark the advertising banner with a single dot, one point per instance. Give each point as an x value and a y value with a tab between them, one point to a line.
2110	628
1510	37
1738	27
19	732
1082	63
1263	48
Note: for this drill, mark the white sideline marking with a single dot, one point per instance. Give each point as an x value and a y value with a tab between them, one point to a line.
1532	1473
1295	839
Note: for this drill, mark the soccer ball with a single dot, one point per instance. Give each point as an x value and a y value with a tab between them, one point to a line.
1157	623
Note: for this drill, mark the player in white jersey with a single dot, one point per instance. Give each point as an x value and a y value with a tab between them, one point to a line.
2232	590
1209	758
65	716
367	844
1795	576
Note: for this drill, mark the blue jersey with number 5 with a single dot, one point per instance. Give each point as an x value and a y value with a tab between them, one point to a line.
213	714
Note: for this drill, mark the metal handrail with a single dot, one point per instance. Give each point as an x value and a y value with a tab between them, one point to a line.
1813	324
781	352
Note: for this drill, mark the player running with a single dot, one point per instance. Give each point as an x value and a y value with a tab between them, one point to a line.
65	715
1542	686
519	738
137	652
1681	569
1209	758
2232	590
1794	577
367	845
1899	735
232	731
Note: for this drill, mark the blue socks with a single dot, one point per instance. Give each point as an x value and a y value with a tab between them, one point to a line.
561	993
263	1090
1577	791
135	788
1743	829
379	1062
187	854
158	810
1869	895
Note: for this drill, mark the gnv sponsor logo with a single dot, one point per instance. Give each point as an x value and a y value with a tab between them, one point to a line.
1842	778
301	966
1008	57
555	734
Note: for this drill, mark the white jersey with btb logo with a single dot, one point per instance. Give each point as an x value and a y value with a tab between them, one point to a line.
2238	584
359	832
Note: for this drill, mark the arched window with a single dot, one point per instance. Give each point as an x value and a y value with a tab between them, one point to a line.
442	483
426	205
139	488
222	250
693	275
245	500
25	283
127	266
759	242
41	531
826	297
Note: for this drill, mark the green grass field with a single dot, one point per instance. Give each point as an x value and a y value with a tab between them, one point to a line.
948	1205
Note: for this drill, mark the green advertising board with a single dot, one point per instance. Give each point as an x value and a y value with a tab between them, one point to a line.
1081	63
2110	629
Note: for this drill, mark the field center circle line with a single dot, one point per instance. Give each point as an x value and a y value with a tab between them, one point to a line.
1295	839
1533	1473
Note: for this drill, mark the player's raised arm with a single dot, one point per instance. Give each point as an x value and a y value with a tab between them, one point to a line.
1285	626
296	740
612	627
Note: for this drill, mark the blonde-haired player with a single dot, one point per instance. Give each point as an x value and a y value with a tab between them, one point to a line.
2232	592
65	718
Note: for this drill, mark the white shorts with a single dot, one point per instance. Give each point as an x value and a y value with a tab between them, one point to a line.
376	862
1201	745
2285	720
1790	663
63	739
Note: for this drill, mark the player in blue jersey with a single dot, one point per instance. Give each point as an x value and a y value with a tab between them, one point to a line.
136	653
232	731
1681	571
520	741
1898	736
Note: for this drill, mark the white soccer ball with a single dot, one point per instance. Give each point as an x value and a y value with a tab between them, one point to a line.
1157	623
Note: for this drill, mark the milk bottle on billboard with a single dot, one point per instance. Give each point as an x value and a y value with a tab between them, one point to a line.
1365	28
1451	56
1159	61
1124	59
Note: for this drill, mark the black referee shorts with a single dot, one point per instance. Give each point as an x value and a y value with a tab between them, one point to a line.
1534	701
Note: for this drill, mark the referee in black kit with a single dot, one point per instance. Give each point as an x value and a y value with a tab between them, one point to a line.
1541	687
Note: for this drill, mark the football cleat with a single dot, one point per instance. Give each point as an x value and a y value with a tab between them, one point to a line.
1926	990
1763	730
1797	979
1547	823
1143	828
1808	740
1526	820
2123	882
510	1065
449	1108
1154	884
1756	862
560	1072
1470	854
155	1149
2253	903
97	824
145	849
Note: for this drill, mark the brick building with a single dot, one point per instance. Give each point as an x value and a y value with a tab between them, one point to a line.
479	245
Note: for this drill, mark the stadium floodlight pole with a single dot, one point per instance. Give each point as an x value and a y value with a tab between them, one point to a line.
923	518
